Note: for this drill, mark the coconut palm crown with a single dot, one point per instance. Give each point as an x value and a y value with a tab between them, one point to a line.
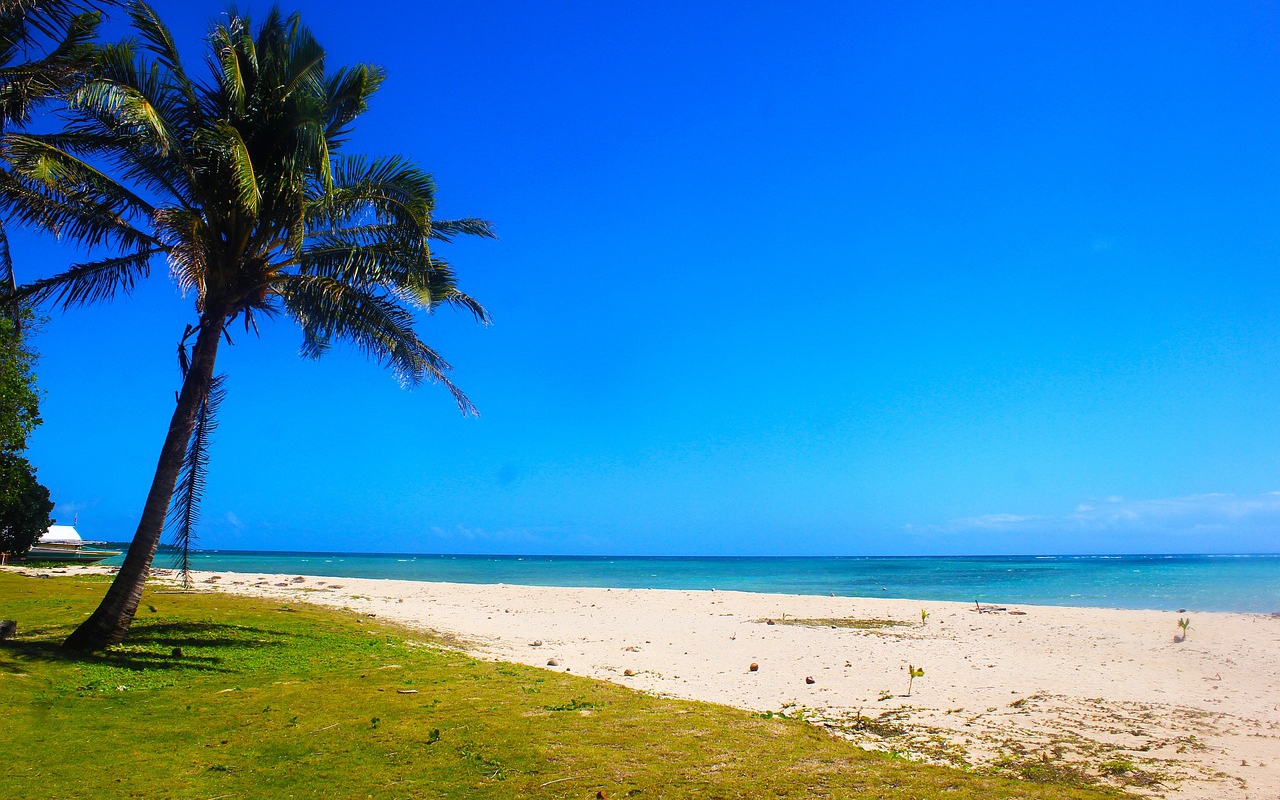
240	183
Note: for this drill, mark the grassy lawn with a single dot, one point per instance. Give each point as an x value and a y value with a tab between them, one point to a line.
266	700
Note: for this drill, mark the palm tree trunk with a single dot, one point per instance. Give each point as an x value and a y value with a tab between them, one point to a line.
110	622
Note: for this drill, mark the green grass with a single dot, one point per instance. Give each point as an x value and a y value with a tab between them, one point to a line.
273	701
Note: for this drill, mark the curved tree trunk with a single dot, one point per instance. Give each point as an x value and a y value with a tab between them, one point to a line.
110	622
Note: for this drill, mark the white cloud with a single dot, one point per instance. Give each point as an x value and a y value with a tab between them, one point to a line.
1192	514
993	521
468	533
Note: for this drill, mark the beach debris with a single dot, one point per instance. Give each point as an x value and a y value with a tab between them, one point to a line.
212	579
557	780
299	579
536	643
988	609
809	680
152	609
770	622
913	672
629	672
833	594
551	662
8	628
1017	613
754	667
176	652
406	691
632	649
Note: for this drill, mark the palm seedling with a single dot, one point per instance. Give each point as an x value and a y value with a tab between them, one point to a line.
1184	623
913	673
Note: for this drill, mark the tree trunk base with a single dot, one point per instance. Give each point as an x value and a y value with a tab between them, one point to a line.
97	633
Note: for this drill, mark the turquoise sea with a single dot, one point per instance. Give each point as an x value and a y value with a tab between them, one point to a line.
1248	583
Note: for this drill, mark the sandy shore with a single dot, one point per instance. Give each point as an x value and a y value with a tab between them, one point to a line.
1026	687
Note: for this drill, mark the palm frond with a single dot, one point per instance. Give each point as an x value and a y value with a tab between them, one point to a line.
8	282
390	189
158	40
224	140
184	512
69	28
67	217
186	235
90	282
132	104
232	62
33	159
446	229
375	257
347	94
329	310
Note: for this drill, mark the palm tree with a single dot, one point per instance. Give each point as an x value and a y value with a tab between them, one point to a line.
240	183
45	49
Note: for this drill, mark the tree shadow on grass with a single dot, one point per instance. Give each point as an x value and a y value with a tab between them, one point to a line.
182	646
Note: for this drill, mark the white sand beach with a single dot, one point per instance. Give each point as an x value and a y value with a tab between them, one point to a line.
1198	718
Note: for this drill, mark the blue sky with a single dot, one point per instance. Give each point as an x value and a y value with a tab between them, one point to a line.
814	278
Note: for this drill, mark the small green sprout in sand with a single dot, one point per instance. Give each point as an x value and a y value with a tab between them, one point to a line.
913	673
1184	623
924	615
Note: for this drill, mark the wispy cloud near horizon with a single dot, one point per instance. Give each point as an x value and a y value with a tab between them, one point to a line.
1191	515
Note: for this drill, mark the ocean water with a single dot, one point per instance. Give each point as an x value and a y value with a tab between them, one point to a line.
1200	583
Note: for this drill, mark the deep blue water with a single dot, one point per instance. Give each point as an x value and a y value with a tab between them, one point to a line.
1203	583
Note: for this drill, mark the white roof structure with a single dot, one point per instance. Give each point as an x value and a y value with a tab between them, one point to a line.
60	534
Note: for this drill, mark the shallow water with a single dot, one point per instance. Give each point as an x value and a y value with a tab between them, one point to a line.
1203	583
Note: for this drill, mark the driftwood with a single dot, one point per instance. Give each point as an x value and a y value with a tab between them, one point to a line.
981	609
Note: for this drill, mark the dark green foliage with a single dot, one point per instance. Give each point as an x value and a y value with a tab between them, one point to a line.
24	505
19	398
